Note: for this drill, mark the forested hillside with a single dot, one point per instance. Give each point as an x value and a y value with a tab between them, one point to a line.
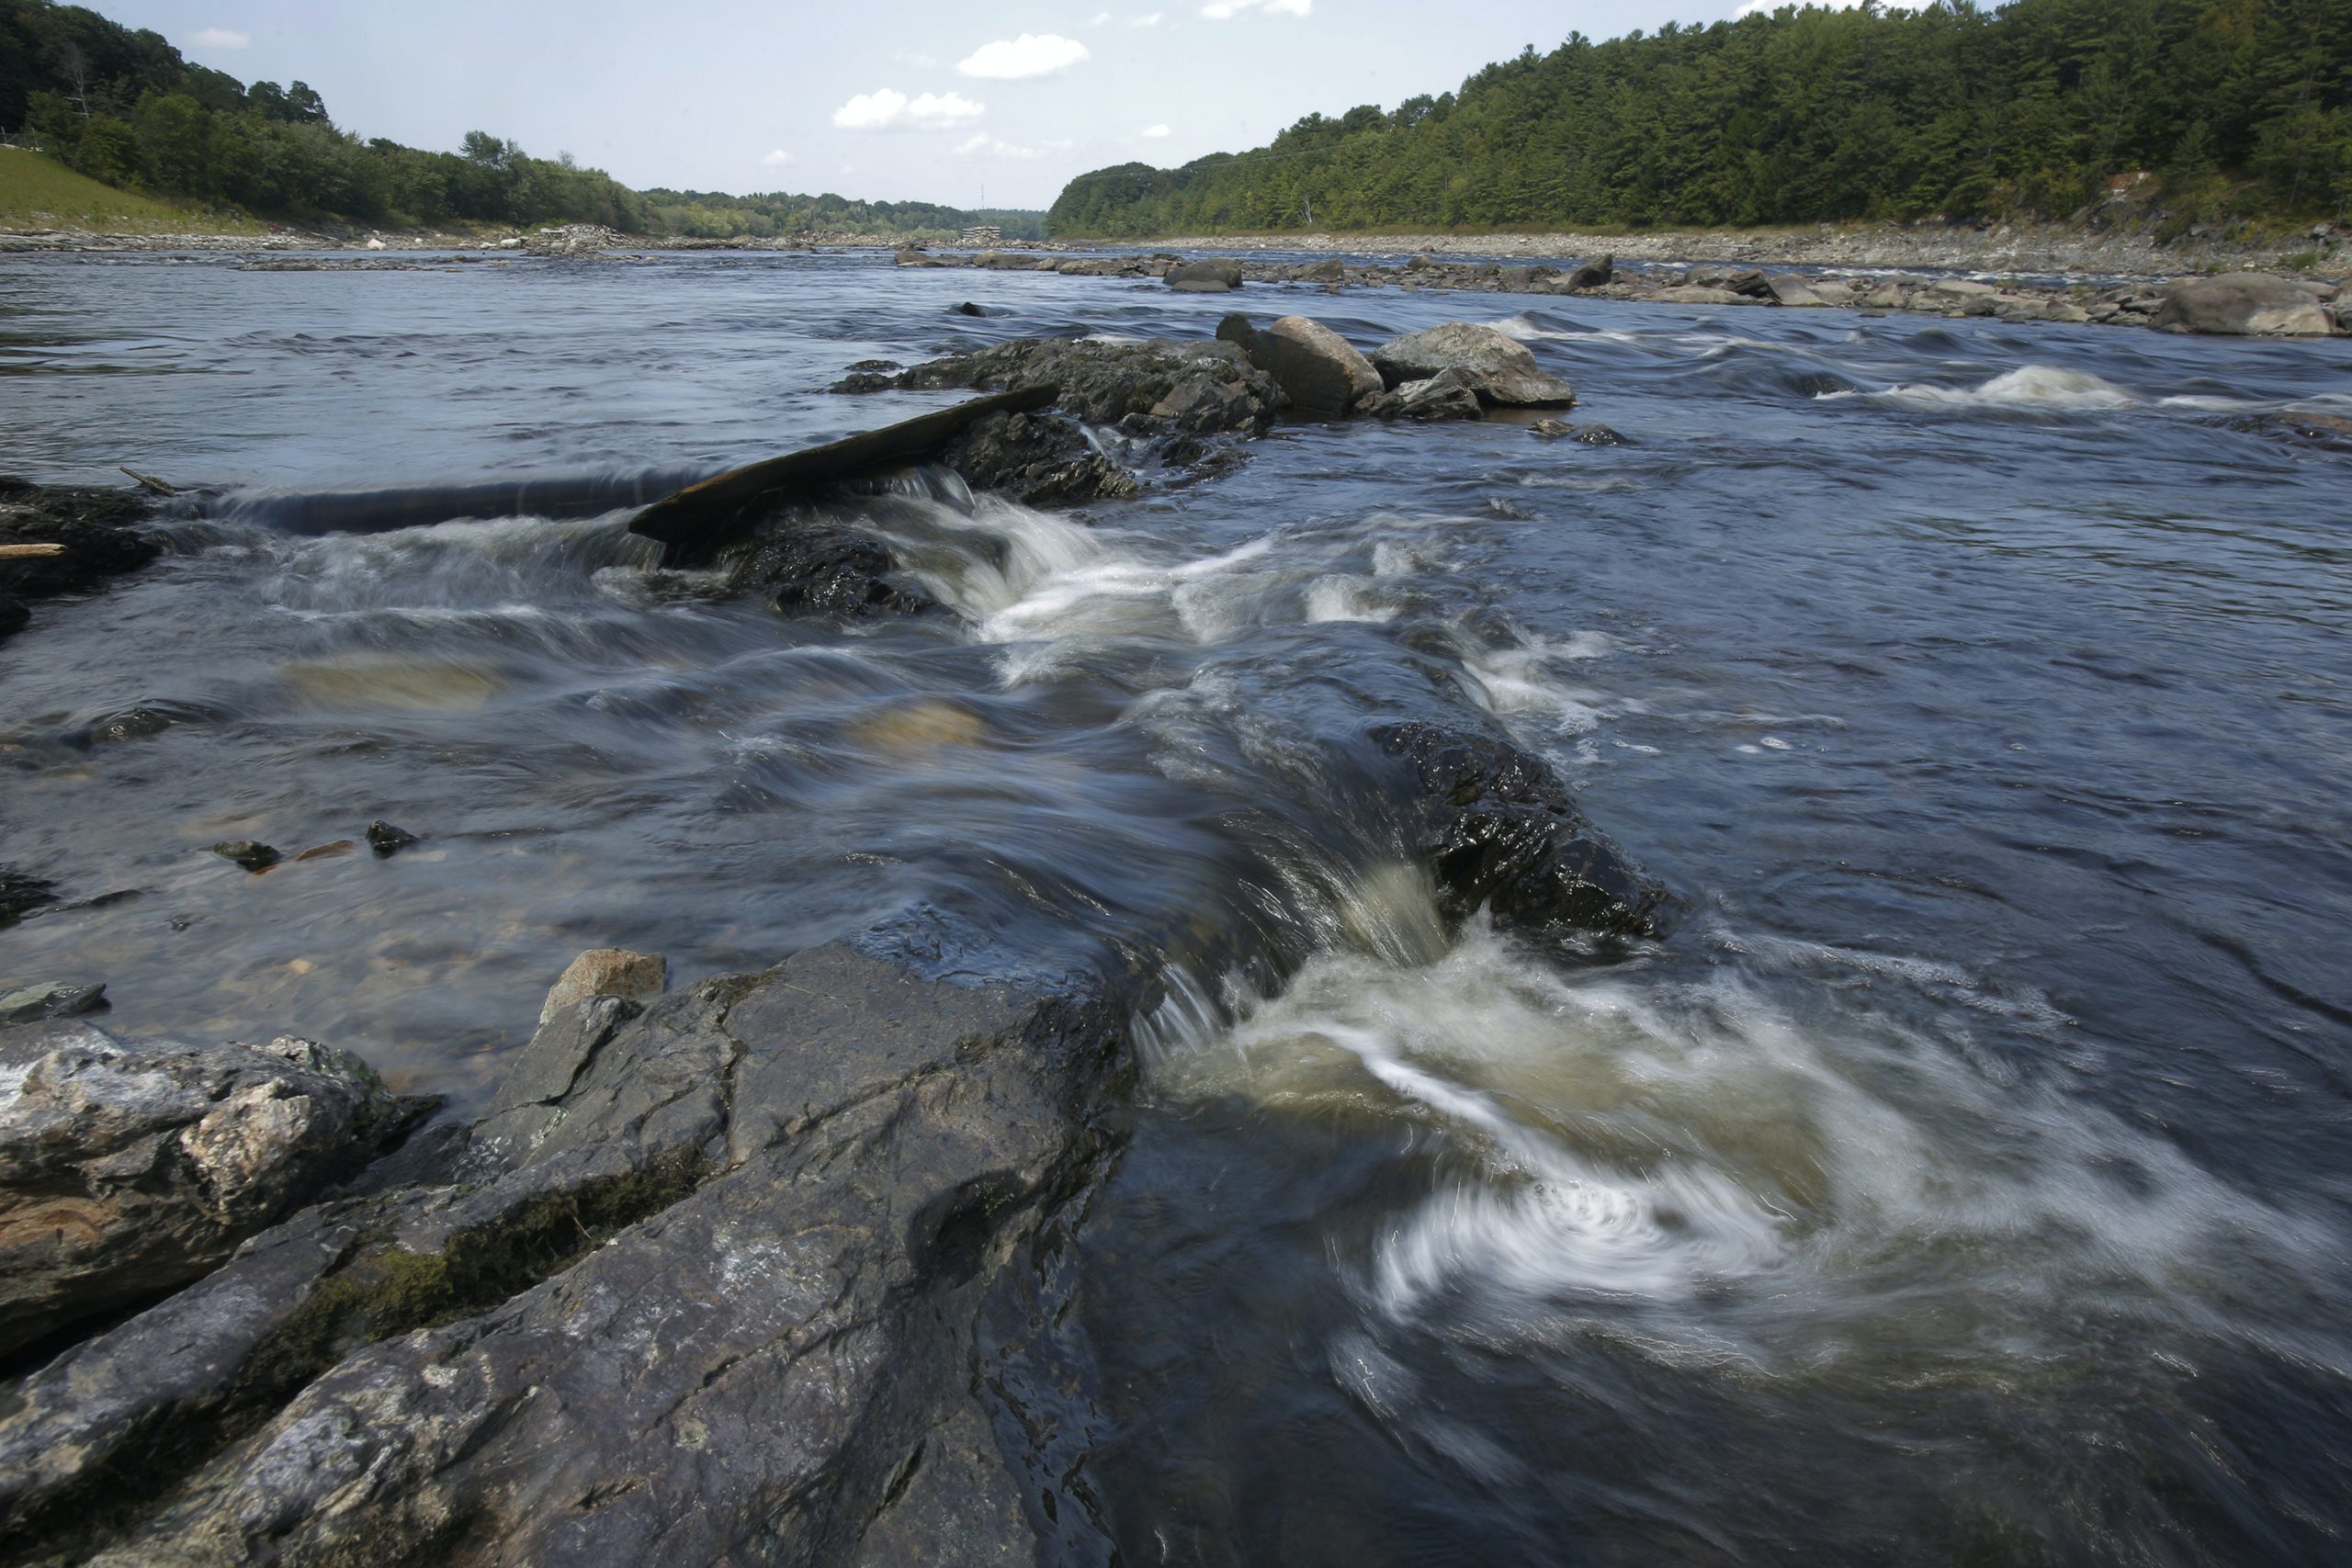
2237	106
716	215
125	108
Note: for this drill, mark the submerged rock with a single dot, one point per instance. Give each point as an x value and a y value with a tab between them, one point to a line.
250	853
1589	435
20	895
2242	304
1500	370
1497	829
130	1169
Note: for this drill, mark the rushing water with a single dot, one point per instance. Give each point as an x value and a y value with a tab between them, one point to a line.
1964	1179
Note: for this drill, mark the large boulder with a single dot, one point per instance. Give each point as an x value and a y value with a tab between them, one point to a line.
1318	369
1497	830
1500	370
1213	276
2242	304
127	1170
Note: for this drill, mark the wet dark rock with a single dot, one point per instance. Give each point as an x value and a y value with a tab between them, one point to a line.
710	1295
969	309
102	533
1319	371
1446	395
693	524
1590	434
387	840
1039	459
1750	285
1500	370
20	895
45	999
1332	270
250	853
1497	829
2332	431
1213	276
131	724
129	1169
1592	274
2242	304
822	569
1204	388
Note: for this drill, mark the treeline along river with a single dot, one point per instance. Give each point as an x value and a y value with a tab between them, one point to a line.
1963	1176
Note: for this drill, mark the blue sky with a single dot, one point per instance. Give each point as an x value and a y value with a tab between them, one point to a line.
889	99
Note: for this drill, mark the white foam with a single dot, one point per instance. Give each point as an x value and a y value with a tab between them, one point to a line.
2028	387
1753	1187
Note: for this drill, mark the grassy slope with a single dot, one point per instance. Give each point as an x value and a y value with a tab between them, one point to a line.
37	193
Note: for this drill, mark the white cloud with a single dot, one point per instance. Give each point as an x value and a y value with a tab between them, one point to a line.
1016	60
994	148
886	109
1152	21
1154	133
916	61
1101	19
775	158
221	37
1058	144
1226	10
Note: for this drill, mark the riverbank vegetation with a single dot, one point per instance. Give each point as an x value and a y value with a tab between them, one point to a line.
39	193
123	108
2224	109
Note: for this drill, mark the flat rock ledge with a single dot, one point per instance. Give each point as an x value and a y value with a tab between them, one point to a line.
717	1278
2240	304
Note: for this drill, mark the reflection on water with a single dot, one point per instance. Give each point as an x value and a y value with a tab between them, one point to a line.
1961	1183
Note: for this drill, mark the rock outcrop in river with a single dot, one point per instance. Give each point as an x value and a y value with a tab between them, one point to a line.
2320	309
710	1279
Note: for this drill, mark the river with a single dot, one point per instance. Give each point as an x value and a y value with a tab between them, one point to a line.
1965	1177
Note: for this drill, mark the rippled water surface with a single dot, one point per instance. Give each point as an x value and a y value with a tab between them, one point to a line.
1964	1179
